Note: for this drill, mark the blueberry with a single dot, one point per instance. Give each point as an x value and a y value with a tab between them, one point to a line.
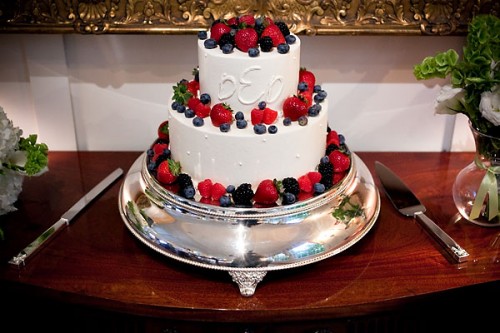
341	139
151	166
241	123
189	113
259	129
302	120
239	115
150	152
262	105
227	48
198	122
225	201
288	198
210	43
230	188
181	108
205	98
325	159
188	192
225	127
302	86
322	93
313	110
318	98
272	129
317	88
287	121
290	39
175	105
202	35
253	52
319	188
283	48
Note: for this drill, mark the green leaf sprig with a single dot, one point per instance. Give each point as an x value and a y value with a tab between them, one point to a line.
476	72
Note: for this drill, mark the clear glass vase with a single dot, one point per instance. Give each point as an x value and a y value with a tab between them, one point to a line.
476	189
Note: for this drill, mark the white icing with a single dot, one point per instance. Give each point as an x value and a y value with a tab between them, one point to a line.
242	81
240	155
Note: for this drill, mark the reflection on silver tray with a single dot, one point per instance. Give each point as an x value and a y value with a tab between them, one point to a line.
249	242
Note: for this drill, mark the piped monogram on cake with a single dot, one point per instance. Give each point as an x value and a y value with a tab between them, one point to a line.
248	93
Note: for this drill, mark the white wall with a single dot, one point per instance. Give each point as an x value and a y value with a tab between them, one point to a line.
110	92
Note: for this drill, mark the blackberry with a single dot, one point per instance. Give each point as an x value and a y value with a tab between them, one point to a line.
326	171
184	181
226	38
291	185
243	195
283	28
266	44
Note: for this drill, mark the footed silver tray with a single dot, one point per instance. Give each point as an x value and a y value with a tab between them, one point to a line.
249	242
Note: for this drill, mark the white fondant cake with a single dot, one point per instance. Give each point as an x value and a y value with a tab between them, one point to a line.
251	120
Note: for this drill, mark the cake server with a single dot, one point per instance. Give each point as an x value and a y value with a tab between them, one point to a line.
21	257
409	205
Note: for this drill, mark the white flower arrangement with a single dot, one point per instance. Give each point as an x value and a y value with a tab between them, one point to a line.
19	157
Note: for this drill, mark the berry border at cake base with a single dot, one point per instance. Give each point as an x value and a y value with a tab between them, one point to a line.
249	242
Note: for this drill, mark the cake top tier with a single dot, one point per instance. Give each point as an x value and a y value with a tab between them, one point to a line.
244	61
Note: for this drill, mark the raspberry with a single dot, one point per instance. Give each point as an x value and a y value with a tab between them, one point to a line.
305	184
218	190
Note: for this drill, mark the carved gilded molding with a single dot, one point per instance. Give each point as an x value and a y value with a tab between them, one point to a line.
311	17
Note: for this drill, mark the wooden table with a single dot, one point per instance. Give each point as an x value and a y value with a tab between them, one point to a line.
99	277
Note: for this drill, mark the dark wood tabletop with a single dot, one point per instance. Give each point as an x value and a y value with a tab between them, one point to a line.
97	264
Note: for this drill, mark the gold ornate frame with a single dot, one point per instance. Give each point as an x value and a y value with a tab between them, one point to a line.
311	17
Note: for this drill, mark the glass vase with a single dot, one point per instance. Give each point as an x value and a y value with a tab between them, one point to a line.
476	189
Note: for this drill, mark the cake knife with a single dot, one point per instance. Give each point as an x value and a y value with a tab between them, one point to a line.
20	259
409	205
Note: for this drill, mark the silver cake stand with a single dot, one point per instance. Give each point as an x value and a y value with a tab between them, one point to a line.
249	242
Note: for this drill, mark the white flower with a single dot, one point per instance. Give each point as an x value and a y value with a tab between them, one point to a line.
450	100
9	137
490	105
11	184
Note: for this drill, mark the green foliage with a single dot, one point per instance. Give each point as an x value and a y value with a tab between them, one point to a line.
36	154
476	72
181	93
346	210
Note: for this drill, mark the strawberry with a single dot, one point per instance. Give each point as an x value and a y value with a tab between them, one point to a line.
275	33
257	115
314	176
193	86
219	29
221	113
233	21
163	131
307	77
247	20
168	171
307	97
269	116
266	192
305	184
332	138
202	110
158	149
337	177
246	39
218	190
340	161
205	188
294	108
192	102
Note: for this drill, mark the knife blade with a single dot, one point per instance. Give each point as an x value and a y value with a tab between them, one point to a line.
408	204
21	258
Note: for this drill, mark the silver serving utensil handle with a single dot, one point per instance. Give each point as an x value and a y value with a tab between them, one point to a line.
20	259
452	248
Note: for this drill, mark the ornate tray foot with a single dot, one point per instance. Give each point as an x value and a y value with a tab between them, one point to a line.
247	280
